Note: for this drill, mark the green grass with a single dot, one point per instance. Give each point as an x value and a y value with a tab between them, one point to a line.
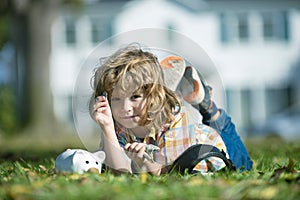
27	172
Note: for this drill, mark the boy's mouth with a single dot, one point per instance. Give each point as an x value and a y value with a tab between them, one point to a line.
130	117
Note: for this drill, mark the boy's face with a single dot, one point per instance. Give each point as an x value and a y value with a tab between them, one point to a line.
127	106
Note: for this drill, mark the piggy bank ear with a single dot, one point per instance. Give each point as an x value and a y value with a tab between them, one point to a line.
100	154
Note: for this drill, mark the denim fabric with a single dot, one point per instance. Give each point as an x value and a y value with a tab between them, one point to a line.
237	151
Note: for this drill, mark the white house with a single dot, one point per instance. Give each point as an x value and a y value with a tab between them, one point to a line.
252	45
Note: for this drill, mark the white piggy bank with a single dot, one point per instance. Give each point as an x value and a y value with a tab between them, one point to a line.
79	161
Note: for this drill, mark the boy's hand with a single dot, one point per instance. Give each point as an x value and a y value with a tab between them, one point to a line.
141	151
135	151
101	111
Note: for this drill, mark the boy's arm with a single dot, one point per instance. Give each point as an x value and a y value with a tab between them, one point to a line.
115	157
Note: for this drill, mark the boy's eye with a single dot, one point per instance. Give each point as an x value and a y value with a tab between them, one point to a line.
136	96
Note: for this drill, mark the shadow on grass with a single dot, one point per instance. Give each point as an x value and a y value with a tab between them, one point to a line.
33	147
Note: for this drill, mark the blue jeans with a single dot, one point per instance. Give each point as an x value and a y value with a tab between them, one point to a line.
237	151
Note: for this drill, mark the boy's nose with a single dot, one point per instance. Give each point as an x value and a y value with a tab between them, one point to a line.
127	105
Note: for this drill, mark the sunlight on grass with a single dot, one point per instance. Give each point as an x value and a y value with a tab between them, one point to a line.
276	175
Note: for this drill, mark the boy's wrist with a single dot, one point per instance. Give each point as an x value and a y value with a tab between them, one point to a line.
108	131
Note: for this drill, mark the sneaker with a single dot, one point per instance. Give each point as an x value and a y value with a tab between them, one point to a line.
191	86
187	81
173	69
197	93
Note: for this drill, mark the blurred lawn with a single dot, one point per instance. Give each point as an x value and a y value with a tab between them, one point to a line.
36	146
27	172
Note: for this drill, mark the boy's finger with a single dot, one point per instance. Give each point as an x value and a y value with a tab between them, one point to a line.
100	98
129	146
133	147
141	152
139	147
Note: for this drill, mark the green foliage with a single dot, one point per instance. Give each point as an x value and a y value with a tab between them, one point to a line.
8	120
4	30
276	175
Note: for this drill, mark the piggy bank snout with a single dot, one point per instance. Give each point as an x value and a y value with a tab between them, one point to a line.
93	170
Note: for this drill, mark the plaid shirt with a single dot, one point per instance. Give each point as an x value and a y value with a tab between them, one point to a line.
174	138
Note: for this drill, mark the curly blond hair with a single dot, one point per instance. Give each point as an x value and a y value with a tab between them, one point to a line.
144	70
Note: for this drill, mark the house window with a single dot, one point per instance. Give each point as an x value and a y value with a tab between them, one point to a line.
101	29
234	27
70	31
239	106
242	27
223	28
282	96
275	25
268	25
